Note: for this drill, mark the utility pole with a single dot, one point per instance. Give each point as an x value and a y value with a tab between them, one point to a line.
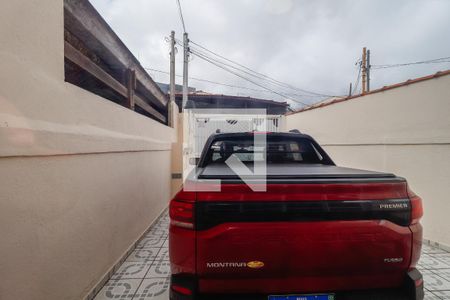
185	69
171	104
364	70
368	70
172	66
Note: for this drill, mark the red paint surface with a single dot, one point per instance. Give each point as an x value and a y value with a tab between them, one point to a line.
298	257
298	192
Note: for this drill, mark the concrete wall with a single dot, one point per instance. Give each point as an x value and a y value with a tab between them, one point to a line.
81	177
177	154
404	130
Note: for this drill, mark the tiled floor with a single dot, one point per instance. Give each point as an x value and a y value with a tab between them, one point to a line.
145	273
435	267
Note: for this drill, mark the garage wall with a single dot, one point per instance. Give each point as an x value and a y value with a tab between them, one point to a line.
405	130
81	177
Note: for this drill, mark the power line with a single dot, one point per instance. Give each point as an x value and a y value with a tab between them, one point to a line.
218	83
204	55
245	69
180	11
355	87
195	52
254	73
431	61
258	75
209	81
274	86
247	79
237	72
199	53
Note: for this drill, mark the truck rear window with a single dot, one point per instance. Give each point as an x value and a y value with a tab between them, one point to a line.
278	150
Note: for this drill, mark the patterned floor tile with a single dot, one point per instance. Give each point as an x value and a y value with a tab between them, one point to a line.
132	270
143	255
434	282
159	269
121	289
443	257
153	289
163	254
444	273
151	242
427	249
157	232
431	296
442	294
431	261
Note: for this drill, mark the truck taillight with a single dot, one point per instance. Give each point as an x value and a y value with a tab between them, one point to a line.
181	290
416	207
181	210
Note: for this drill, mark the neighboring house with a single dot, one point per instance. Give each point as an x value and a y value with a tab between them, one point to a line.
225	113
214	101
165	87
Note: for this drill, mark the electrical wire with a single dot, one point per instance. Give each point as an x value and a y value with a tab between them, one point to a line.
217	83
247	79
260	76
245	70
203	54
180	11
237	72
209	81
355	87
431	61
195	52
253	73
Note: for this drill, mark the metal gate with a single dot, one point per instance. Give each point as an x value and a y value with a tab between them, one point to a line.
207	124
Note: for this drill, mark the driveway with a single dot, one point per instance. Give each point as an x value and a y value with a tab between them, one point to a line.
145	275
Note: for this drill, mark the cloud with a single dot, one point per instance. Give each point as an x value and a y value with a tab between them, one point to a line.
312	45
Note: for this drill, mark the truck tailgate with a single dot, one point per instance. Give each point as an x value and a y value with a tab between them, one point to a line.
303	237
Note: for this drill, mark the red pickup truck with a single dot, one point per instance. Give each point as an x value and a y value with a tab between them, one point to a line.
319	231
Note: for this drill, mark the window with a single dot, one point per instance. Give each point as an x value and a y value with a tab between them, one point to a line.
278	150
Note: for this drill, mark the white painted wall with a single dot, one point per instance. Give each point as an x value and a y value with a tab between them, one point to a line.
81	177
404	130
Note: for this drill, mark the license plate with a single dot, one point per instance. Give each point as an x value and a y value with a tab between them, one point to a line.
303	297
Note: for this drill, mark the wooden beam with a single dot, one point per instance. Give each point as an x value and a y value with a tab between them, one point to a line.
86	64
131	86
81	18
145	106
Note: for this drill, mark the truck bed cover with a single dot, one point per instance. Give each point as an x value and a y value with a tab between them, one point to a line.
296	171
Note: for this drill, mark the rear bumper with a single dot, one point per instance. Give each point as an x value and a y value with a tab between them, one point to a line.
414	284
412	289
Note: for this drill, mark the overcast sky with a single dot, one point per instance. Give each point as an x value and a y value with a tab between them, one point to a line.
312	45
